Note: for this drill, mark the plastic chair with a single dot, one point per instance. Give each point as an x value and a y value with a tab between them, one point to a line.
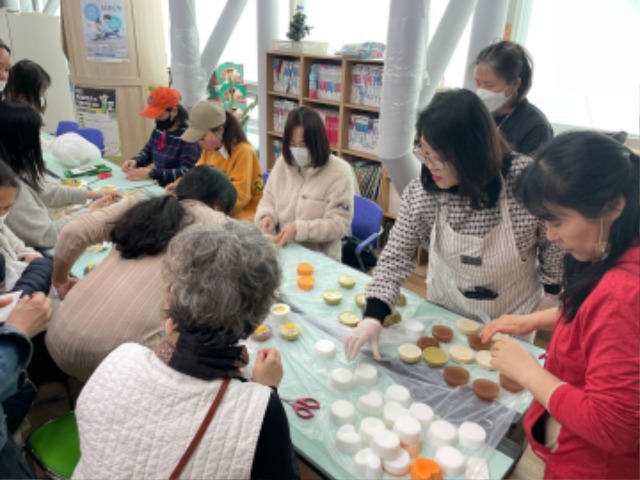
366	224
55	446
94	135
265	177
65	126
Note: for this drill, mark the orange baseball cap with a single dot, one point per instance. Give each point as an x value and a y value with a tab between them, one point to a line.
159	100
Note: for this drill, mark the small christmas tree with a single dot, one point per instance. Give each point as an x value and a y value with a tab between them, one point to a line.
298	29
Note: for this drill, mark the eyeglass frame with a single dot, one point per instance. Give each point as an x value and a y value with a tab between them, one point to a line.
425	158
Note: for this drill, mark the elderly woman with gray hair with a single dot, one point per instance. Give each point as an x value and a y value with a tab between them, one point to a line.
141	408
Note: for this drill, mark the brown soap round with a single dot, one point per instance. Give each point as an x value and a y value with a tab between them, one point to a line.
424	342
510	384
442	333
475	342
455	376
485	389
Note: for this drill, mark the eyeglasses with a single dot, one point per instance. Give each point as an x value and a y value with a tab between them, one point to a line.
428	160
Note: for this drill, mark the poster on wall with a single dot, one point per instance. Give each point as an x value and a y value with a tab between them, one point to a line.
104	30
96	108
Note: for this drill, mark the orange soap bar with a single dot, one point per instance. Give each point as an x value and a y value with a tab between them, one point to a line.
306	282
305	269
425	469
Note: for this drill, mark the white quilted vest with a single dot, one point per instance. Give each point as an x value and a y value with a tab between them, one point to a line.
136	417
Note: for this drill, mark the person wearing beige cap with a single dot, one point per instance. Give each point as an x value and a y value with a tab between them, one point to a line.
225	146
165	157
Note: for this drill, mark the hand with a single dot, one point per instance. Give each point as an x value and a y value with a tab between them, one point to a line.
267	225
129	165
170	188
31	314
100	203
513	359
367	331
286	235
139	174
63	287
268	368
31	257
103	192
509	324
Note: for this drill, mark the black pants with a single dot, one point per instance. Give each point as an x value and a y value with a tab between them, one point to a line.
12	464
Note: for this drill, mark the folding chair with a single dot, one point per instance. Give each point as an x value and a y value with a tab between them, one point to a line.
55	446
65	126
366	224
94	135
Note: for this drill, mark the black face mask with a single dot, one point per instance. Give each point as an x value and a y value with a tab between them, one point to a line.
164	124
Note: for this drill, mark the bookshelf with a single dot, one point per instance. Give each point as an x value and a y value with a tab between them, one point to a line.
346	93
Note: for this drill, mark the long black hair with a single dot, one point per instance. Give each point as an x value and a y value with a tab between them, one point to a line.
20	142
8	178
233	134
584	172
315	136
147	228
458	126
26	80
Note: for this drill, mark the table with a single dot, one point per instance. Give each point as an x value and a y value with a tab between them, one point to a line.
307	375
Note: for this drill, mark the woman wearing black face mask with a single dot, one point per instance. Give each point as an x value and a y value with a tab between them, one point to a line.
165	157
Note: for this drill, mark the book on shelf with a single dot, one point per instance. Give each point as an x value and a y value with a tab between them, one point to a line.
366	84
277	149
368	174
281	110
286	76
363	132
325	81
331	119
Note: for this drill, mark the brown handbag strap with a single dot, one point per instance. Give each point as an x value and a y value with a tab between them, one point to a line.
200	433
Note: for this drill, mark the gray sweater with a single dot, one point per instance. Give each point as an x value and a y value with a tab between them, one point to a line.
30	219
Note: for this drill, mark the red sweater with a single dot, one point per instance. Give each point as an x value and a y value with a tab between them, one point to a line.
598	407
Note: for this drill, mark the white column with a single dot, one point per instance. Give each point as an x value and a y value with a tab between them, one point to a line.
51	7
443	44
401	83
186	70
221	34
267	31
488	25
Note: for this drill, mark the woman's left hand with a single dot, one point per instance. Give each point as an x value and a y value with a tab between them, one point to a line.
513	359
139	174
286	235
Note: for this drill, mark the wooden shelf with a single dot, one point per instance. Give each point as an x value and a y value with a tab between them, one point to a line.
389	215
276	93
364	108
361	153
322	101
274	133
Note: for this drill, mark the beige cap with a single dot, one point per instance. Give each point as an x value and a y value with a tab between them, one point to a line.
204	116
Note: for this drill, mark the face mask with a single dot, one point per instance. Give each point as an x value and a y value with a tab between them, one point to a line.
43	102
210	145
493	100
3	84
164	124
2	219
301	156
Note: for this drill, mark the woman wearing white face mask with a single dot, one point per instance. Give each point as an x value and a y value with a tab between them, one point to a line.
225	147
503	75
28	82
309	196
5	65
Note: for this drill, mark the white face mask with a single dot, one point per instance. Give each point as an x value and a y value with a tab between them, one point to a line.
2	219
3	84
493	100
301	156
43	102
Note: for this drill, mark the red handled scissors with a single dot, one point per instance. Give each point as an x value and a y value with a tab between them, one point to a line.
303	406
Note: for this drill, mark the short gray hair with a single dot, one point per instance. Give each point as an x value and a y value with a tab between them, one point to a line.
221	277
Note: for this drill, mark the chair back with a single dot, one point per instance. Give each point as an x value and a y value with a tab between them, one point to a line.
94	135
265	177
367	218
65	126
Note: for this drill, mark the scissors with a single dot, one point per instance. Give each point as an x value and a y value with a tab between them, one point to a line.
303	406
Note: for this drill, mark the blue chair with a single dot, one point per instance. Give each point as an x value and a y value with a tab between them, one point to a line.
366	224
94	135
265	177
65	126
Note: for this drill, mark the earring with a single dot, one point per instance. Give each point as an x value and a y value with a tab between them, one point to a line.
602	247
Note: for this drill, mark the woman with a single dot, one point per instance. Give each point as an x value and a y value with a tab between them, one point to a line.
121	299
140	409
487	254
28	82
503	78
225	146
165	157
5	65
584	418
309	196
20	148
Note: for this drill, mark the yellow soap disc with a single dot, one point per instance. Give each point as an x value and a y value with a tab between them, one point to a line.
332	297
435	357
346	281
361	301
350	319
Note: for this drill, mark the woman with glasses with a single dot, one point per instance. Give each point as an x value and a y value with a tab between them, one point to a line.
487	254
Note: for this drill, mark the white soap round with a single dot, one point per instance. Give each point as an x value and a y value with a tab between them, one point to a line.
366	374
371	403
471	435
342	412
366	465
409	353
460	354
325	349
408	430
499	336
398	466
450	460
392	411
468	326
369	426
422	412
414	327
483	357
348	440
442	433
342	379
398	393
386	445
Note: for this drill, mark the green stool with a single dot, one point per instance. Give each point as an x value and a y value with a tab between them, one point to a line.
55	446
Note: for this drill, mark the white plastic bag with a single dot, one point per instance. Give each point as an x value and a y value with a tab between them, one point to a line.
72	150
